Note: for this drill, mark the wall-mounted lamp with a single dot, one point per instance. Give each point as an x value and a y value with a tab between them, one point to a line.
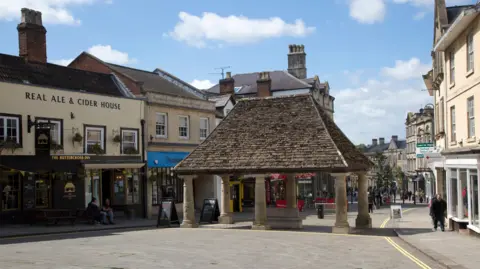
115	132
72	116
74	130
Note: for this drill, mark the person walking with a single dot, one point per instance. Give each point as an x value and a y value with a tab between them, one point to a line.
370	202
437	211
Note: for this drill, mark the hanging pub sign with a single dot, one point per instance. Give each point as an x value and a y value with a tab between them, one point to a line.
210	211
42	138
167	214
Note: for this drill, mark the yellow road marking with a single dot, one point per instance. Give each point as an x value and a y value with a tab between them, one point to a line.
402	250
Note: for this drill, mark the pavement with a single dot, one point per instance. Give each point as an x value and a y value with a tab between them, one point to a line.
449	248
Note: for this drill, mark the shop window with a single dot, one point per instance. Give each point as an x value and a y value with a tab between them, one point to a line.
133	188
129	141
165	184
203	128
183	125
10	128
10	192
55	130
94	136
474	197
453	193
92	186
42	191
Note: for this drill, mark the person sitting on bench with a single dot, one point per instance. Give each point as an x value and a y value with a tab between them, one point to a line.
107	212
94	211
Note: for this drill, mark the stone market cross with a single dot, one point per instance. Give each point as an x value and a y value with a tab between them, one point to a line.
288	134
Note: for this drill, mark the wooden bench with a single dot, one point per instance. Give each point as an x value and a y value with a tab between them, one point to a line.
54	216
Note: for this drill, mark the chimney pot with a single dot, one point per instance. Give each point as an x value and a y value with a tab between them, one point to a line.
264	84
227	85
229	75
381	140
374	142
395	138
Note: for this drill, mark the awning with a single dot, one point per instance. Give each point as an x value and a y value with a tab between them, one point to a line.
165	159
113	165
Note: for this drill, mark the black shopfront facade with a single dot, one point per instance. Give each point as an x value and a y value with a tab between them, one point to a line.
49	181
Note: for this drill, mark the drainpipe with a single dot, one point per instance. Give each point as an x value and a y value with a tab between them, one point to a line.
144	174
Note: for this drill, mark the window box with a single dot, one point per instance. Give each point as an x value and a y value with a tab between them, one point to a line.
95	149
9	144
130	150
55	147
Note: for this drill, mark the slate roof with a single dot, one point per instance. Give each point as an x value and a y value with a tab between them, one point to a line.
220	100
454	11
152	81
16	69
275	135
281	80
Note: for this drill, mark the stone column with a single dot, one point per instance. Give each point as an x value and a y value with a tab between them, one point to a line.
341	219
291	191
225	214
363	218
188	204
260	222
460	209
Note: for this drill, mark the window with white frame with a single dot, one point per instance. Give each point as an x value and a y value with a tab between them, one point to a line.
471	117
94	136
129	141
10	128
161	125
204	124
183	125
453	125
55	131
470	53
452	66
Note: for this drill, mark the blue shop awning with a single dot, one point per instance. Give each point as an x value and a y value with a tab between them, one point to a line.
164	159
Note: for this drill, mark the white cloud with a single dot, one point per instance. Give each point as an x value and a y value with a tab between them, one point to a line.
198	30
202	84
105	53
367	11
404	70
419	15
377	107
53	11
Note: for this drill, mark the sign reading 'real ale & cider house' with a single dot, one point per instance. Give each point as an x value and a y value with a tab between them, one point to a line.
59	99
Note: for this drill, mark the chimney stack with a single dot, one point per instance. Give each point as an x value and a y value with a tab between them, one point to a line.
227	85
374	142
381	140
32	37
264	84
297	65
395	138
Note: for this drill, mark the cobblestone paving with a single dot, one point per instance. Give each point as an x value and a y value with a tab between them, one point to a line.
206	248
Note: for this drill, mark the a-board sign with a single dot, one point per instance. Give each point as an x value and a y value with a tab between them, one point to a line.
210	211
167	214
396	212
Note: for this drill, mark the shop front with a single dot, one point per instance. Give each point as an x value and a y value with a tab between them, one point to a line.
462	191
163	181
30	183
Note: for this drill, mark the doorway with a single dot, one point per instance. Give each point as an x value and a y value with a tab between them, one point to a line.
236	197
107	185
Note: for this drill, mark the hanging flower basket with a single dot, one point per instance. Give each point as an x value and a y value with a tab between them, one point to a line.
77	137
117	139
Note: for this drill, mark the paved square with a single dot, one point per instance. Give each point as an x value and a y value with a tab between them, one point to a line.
206	248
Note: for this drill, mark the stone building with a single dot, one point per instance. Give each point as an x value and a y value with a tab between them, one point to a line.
453	83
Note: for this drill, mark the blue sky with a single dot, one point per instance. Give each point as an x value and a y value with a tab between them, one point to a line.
372	52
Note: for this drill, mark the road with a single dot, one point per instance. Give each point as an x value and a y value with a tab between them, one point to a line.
207	248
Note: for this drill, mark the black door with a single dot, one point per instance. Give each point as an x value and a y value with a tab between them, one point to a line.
236	197
107	185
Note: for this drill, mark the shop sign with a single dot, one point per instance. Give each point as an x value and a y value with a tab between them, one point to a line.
70	157
396	212
69	190
423	149
60	99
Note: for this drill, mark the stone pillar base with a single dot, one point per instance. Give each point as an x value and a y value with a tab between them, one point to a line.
363	222
341	230
261	227
188	225
227	219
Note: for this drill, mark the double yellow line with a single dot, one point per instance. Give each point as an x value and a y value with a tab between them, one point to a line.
402	250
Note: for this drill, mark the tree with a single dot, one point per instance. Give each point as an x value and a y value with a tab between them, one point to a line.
383	171
399	176
361	147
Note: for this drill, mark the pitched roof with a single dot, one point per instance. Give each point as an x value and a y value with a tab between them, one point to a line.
281	80
152	81
16	69
220	100
275	134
